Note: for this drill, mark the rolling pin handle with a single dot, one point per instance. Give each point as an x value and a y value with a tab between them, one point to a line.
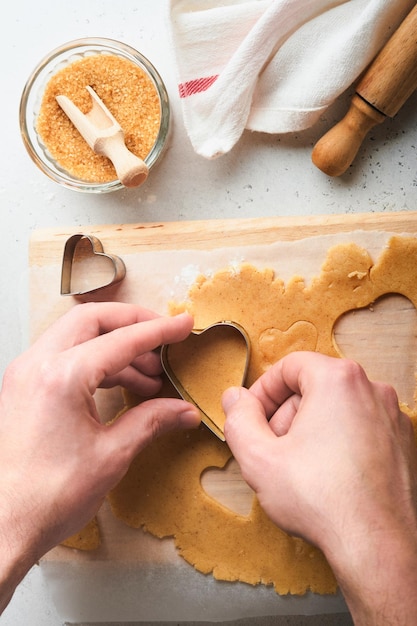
336	150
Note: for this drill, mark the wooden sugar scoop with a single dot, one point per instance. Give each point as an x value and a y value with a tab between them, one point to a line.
105	136
387	84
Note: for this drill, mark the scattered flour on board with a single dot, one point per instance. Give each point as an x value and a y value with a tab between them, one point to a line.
191	272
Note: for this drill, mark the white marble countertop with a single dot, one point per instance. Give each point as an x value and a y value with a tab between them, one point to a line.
262	176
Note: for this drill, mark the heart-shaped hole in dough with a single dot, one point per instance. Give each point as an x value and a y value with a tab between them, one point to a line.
383	339
204	365
227	486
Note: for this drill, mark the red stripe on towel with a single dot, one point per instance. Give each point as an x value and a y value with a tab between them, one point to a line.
196	86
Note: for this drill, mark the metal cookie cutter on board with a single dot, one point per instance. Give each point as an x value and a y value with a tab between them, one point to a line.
119	268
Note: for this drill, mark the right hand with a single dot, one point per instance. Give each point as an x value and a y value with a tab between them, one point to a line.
332	459
317	441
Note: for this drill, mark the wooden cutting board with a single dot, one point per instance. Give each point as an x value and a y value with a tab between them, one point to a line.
377	353
380	350
46	245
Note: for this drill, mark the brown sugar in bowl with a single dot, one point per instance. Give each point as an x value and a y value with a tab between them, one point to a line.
129	86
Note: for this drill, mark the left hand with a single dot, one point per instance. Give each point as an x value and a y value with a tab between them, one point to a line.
57	461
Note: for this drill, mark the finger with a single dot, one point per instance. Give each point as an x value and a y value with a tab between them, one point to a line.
109	354
141	425
148	363
246	430
135	381
88	320
293	374
271	388
282	419
142	376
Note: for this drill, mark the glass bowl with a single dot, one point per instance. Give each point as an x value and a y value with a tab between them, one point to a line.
31	100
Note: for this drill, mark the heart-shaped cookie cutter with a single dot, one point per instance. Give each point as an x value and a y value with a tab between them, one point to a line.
97	249
185	395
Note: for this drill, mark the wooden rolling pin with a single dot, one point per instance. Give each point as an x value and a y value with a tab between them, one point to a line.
384	88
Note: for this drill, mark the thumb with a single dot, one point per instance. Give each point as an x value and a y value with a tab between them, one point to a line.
139	426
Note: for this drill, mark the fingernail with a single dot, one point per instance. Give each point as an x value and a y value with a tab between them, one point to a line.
191	418
230	396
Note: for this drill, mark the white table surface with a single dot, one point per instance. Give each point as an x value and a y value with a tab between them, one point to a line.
262	176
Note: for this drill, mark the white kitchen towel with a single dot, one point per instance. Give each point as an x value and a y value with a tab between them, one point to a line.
270	65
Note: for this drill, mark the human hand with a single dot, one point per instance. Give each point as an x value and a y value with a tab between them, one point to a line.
57	461
333	460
